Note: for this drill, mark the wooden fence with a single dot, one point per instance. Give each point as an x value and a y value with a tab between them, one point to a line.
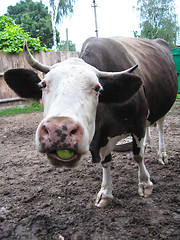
10	61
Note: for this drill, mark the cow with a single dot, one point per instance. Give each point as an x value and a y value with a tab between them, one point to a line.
93	101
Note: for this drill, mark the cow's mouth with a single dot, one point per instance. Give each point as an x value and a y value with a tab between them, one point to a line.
58	161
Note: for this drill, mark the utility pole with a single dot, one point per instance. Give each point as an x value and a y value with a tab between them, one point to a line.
95	16
67	40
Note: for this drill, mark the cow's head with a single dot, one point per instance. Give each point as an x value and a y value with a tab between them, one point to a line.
70	94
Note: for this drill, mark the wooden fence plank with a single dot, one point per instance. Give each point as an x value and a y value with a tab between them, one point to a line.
11	61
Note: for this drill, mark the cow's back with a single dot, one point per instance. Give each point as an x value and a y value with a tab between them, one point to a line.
157	69
155	66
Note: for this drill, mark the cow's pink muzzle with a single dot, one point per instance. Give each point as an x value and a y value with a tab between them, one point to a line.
60	133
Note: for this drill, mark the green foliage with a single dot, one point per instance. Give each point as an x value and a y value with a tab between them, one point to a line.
158	20
35	19
13	36
34	107
62	46
65	8
5	21
58	9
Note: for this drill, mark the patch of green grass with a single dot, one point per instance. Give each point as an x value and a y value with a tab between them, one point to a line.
178	103
176	107
34	107
178	96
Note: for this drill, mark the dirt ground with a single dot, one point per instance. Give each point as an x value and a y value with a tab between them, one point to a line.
38	201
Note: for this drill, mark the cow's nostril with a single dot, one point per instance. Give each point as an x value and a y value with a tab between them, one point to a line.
45	129
73	132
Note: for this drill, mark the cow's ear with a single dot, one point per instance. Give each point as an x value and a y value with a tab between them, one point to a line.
24	82
118	89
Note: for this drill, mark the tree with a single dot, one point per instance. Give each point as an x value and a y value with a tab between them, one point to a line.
158	20
62	46
58	9
13	36
35	19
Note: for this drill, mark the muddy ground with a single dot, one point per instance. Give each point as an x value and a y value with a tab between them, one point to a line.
38	201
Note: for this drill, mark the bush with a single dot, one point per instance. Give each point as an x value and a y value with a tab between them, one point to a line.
13	36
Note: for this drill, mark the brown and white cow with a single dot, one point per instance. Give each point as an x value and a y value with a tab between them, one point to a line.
92	102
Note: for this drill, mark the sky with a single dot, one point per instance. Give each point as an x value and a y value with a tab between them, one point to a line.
114	18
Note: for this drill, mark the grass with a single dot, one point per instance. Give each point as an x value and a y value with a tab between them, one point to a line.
178	96
34	107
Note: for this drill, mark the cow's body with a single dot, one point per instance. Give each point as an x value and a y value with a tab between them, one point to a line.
128	103
154	99
155	67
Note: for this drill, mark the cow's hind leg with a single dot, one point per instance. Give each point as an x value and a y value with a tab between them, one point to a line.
145	186
147	139
162	156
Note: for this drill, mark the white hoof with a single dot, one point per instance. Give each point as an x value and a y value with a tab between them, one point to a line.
104	202
162	158
103	198
145	190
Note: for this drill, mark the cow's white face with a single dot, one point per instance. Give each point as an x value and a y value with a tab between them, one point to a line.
70	98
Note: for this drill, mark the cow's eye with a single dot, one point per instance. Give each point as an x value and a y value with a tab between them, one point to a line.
42	84
96	88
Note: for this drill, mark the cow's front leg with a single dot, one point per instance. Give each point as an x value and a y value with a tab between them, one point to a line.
105	194
145	186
